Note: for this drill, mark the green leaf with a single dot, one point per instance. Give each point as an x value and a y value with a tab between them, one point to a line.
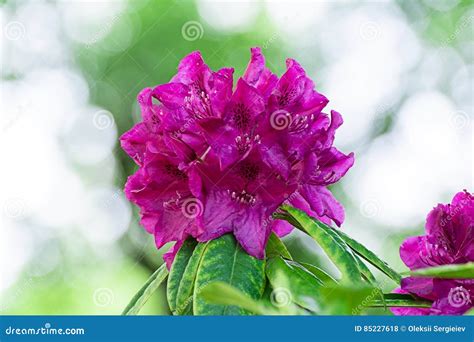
224	260
177	271
370	256
399	300
275	247
319	273
142	296
364	270
406	296
346	299
451	271
184	298
330	242
369	277
222	293
292	282
469	313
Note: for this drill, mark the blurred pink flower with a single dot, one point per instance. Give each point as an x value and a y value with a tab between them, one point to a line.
449	239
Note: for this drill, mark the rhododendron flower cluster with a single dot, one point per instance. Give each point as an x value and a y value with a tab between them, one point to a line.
449	239
216	159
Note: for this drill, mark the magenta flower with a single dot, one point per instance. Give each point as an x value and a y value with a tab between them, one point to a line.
215	160
449	239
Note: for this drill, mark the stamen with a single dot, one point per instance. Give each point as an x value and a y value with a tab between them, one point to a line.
243	143
243	198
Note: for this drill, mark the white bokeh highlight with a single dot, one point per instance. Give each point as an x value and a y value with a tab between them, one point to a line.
416	166
51	139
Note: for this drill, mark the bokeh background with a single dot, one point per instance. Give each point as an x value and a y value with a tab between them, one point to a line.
400	72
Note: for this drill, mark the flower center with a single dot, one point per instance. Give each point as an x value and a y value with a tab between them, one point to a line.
249	171
173	170
286	97
197	102
244	197
241	116
298	123
244	142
